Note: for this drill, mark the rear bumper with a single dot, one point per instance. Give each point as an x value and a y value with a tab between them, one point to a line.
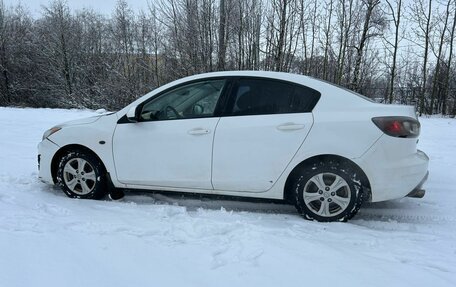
418	192
395	170
46	152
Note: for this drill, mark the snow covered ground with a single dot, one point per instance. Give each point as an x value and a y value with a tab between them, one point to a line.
47	239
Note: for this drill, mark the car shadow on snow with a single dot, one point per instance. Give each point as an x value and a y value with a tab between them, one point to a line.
193	202
402	210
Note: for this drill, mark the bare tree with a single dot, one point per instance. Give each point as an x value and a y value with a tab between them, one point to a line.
123	27
57	50
369	23
4	84
345	24
421	15
281	8
327	44
282	25
435	81
83	59
450	59
222	36
396	15
156	39
22	60
244	29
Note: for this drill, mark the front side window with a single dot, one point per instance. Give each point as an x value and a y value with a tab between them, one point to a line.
264	96
194	100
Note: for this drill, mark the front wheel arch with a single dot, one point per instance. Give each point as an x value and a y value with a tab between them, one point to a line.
288	192
66	149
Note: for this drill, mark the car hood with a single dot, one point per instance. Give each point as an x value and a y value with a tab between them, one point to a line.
84	121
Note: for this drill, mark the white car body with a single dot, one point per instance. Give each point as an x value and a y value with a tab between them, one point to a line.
250	156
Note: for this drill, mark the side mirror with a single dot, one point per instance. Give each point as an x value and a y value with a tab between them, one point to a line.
132	114
197	110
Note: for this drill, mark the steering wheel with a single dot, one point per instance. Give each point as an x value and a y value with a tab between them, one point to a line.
176	113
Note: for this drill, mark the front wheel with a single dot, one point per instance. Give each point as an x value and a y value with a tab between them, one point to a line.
328	191
81	175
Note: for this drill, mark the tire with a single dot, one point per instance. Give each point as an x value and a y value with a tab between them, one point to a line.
328	191
82	175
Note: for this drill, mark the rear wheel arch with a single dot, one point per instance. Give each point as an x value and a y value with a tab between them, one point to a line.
292	177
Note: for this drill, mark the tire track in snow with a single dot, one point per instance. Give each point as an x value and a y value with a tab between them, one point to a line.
386	215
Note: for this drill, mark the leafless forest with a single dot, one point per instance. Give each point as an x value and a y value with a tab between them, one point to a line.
395	51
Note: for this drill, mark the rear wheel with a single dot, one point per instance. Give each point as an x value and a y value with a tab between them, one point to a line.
81	175
328	191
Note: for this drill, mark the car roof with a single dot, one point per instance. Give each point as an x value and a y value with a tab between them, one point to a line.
260	74
320	85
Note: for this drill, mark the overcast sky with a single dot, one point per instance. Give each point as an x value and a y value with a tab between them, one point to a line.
102	6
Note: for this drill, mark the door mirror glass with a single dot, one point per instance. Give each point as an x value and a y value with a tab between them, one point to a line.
198	110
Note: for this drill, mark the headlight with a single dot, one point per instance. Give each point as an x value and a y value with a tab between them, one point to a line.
50	131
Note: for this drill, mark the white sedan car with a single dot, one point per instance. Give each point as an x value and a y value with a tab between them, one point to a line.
245	133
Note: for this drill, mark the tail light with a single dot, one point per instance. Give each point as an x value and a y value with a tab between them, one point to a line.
401	127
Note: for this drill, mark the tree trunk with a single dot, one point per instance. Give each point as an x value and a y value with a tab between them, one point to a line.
4	87
312	46
426	50
360	49
347	26
281	42
327	36
66	65
439	56
397	21
448	70
222	44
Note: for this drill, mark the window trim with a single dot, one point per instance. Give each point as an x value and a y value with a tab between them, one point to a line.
218	107
226	100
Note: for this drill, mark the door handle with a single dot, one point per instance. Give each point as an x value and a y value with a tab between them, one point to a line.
290	127
198	131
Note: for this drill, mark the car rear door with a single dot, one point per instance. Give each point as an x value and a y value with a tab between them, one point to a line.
265	123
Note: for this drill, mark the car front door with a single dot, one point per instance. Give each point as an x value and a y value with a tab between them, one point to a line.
266	122
171	144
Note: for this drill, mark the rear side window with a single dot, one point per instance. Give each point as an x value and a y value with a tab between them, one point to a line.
265	96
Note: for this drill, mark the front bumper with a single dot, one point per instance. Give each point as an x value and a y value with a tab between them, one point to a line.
46	152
